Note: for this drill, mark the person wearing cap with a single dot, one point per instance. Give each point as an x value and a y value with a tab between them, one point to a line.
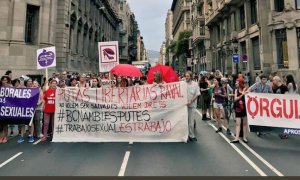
229	95
240	111
49	107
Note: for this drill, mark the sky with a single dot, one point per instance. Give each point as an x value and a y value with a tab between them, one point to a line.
151	16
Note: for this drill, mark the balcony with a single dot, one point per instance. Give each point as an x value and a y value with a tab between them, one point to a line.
199	34
222	7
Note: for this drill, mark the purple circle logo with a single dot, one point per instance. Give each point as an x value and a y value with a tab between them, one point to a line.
46	58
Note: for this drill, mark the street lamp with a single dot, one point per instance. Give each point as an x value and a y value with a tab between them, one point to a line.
235	44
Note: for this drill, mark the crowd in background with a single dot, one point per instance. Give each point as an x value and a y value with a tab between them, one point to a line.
219	91
216	93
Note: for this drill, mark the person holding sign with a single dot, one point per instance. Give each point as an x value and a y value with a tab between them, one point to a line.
49	107
3	125
193	91
29	84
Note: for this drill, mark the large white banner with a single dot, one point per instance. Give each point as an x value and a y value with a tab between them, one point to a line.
108	55
274	110
46	58
139	114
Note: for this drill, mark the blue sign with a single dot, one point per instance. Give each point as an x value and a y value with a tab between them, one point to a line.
235	58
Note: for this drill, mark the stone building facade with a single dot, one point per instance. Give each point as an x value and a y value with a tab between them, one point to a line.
25	26
81	24
74	27
124	14
200	41
169	36
267	35
181	22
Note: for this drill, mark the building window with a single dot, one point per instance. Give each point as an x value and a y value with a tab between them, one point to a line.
242	17
253	5
298	4
234	22
279	5
282	48
298	39
200	9
256	53
243	52
32	24
229	25
202	28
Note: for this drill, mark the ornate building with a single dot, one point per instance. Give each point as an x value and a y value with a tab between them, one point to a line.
181	22
265	35
81	24
200	40
74	27
25	27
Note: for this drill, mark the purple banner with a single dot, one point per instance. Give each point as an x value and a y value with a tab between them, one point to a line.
17	106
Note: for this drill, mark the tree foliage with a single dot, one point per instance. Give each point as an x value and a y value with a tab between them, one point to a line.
181	46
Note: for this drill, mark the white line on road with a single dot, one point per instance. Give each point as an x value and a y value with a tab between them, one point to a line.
124	164
251	163
257	169
38	141
260	158
10	159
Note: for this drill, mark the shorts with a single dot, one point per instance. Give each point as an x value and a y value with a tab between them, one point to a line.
218	106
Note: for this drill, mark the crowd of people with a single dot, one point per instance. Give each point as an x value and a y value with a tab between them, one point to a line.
42	123
212	92
218	92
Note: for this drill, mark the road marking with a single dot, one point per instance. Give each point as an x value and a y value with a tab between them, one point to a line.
38	141
259	157
270	166
124	164
257	169
251	163
10	159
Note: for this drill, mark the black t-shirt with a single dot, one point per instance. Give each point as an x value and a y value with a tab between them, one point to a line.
204	86
281	89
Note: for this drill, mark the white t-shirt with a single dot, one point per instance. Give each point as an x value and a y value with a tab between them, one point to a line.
192	91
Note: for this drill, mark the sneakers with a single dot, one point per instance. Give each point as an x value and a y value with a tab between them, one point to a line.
192	139
20	139
228	132
44	138
31	139
219	130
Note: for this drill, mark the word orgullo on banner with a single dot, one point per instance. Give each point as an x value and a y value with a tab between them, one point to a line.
273	112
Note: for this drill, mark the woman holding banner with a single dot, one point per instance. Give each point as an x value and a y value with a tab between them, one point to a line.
4	125
240	111
29	84
49	108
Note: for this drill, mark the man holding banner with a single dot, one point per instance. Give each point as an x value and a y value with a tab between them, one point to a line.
261	87
193	91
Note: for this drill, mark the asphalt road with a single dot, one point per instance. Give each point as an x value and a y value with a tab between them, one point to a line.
211	155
